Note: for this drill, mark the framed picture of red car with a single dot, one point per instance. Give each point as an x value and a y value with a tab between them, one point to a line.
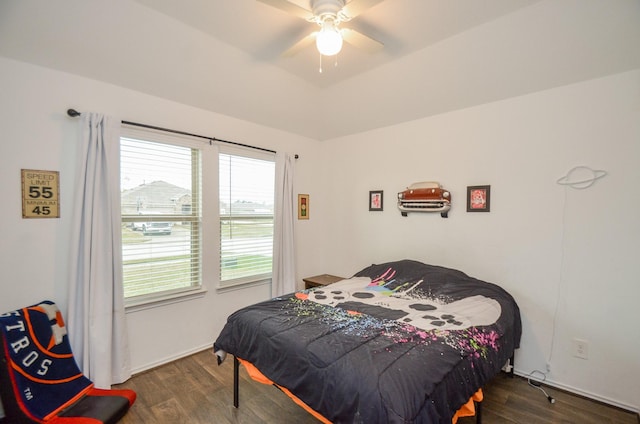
375	200
479	198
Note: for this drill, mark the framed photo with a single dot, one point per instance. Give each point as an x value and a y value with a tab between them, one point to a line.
303	206
479	198
375	200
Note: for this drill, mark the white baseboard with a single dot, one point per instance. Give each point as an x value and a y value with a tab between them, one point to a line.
172	358
584	393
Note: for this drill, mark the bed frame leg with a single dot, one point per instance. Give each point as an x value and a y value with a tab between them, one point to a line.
236	382
478	412
512	370
509	367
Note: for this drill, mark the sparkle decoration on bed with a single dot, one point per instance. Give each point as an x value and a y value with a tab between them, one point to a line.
407	302
470	342
404	313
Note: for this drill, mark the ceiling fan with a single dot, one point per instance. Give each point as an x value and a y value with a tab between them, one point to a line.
328	14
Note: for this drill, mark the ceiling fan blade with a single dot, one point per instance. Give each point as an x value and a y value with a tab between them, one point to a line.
361	41
300	45
356	7
290	8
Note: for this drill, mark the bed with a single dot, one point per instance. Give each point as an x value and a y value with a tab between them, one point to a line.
399	342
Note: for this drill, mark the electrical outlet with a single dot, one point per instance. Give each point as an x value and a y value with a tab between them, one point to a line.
548	366
580	348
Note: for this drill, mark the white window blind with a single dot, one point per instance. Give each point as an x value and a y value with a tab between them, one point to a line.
161	217
247	182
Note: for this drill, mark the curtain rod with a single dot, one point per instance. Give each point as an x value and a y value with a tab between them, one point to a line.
74	113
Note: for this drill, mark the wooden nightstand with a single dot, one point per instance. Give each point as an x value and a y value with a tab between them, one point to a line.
320	280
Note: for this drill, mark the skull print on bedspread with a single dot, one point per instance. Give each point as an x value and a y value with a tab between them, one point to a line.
405	304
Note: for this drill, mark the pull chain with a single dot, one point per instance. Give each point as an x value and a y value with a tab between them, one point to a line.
335	63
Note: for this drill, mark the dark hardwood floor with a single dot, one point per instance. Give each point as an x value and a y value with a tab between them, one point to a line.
196	390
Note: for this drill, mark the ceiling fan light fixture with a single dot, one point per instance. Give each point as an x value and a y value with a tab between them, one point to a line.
329	39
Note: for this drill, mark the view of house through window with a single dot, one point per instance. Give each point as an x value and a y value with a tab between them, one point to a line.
246	216
161	218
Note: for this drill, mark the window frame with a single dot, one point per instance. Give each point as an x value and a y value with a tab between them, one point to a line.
197	218
252	154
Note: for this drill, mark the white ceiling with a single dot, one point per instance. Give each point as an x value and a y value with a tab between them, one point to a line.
224	55
264	32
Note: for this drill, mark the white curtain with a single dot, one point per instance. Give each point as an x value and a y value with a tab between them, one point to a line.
284	269
96	316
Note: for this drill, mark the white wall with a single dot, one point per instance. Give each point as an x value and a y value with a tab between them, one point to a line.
34	254
568	256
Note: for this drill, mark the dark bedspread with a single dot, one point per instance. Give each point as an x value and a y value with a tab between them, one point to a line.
401	342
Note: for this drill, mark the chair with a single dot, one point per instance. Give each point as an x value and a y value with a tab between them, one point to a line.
40	381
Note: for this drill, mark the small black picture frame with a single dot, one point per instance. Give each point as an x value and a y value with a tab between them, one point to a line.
479	198
376	200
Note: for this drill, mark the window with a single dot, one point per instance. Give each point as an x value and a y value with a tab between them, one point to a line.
247	183
161	214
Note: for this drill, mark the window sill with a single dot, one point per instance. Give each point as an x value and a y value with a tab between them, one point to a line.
241	286
136	305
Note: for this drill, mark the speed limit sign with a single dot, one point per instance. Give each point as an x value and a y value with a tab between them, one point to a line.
40	194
